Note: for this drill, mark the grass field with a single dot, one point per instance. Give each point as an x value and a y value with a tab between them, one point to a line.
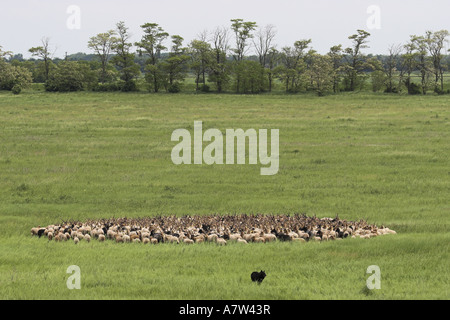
383	158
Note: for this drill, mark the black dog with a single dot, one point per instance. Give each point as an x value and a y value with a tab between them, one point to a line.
258	276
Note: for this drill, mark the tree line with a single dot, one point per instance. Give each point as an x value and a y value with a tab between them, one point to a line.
220	61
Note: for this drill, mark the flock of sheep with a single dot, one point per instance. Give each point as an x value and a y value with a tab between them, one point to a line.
215	228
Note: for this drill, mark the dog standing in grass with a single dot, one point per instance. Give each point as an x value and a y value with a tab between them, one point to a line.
258	276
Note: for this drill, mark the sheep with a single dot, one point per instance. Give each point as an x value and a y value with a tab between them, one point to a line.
234	237
248	237
188	241
134	236
242	228
110	234
259	239
76	240
101	238
293	234
145	240
34	231
268	237
171	239
199	239
389	231
212	238
40	232
136	240
221	241
303	235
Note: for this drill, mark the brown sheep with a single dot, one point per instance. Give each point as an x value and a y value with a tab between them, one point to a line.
259	239
221	241
212	238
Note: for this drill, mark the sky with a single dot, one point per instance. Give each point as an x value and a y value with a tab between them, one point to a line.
70	24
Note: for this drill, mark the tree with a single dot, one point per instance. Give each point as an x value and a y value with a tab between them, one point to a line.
355	58
336	55
293	66
151	45
242	31
263	43
175	65
124	59
43	52
4	54
265	51
272	58
423	63
219	68
201	56
390	66
435	42
321	72
408	65
249	77
102	45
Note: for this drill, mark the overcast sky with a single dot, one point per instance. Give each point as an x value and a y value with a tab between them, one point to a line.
327	22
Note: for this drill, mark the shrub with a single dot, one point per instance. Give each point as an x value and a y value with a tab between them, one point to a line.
16	89
204	88
414	89
70	76
174	87
439	91
107	87
14	76
128	86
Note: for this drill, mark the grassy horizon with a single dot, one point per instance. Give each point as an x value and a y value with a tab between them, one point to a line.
382	158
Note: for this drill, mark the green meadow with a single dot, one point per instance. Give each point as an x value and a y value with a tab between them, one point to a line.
382	158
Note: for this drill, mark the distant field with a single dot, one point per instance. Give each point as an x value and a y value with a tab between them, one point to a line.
383	158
